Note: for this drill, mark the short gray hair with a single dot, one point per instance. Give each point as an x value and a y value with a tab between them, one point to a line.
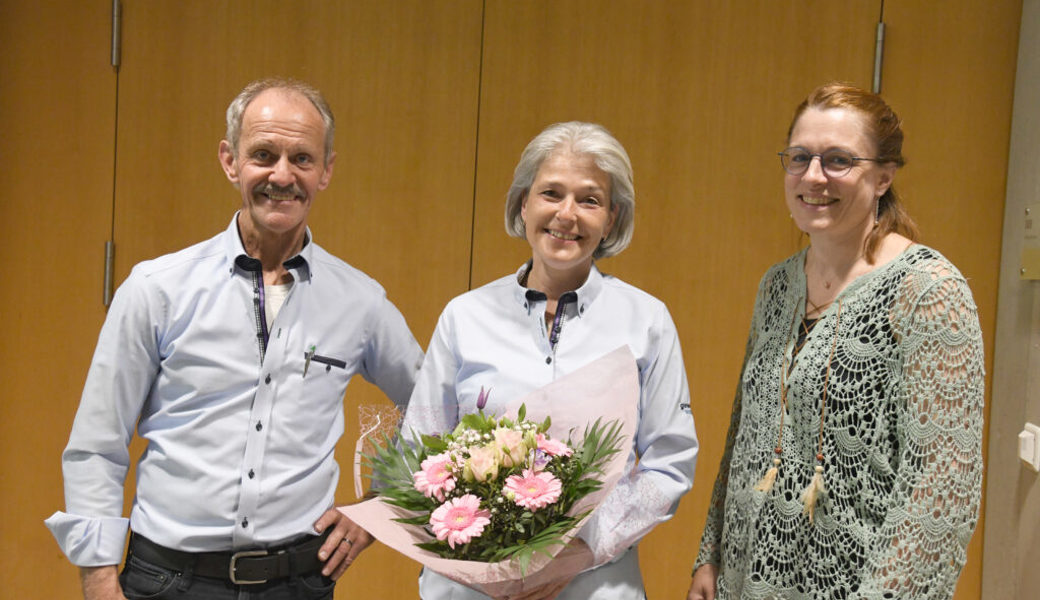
608	154
255	88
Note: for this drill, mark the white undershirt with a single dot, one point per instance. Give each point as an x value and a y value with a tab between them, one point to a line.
274	297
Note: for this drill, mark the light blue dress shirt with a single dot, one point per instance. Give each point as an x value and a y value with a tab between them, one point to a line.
239	440
495	337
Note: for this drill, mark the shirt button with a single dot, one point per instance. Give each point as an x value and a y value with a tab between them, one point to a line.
252	474
548	360
259	426
245	522
268	378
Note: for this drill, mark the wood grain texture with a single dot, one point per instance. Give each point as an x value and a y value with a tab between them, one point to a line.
700	94
950	75
57	113
434	103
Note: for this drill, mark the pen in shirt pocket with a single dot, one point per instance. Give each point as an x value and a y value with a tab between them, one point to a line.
307	356
328	361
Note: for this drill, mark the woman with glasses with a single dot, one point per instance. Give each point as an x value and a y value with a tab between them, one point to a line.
853	463
573	201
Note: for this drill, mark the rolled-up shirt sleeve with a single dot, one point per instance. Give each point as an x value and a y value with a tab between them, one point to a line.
92	530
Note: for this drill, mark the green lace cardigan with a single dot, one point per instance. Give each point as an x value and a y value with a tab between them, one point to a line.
900	353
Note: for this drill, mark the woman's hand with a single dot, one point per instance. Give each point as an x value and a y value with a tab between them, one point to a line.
545	592
702	587
547	583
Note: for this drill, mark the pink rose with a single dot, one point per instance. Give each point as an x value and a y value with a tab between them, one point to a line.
511	444
553	447
482	464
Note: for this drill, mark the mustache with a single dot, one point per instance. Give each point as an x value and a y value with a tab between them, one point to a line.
268	188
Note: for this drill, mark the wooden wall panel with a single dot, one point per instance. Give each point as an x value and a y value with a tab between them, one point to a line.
700	94
949	73
401	78
57	111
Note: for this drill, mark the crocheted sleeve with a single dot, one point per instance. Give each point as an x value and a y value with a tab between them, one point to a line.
711	540
921	546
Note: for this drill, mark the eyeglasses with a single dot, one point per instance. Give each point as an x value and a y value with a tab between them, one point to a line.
834	162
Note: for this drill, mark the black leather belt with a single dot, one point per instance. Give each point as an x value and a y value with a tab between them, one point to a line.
245	567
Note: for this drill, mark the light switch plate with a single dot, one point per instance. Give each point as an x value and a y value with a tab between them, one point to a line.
1029	446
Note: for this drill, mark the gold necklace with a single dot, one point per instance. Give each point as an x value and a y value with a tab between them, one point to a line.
815	489
816	309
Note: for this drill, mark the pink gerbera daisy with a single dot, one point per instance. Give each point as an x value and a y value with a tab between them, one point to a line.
459	520
435	478
533	490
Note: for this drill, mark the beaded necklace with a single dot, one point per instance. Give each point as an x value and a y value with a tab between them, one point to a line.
815	489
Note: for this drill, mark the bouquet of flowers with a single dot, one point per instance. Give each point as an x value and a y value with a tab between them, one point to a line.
492	502
494	488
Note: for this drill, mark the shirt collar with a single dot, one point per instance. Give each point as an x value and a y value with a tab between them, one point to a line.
587	293
299	265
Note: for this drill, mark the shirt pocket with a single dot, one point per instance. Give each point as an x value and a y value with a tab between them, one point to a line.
328	362
325	378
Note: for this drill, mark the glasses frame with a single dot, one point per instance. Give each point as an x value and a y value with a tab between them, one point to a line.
820	155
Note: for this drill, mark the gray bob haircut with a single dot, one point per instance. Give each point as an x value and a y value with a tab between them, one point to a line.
609	155
254	89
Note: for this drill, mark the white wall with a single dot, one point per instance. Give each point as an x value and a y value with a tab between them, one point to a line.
1011	553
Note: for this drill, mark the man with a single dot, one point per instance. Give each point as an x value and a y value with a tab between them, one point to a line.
231	357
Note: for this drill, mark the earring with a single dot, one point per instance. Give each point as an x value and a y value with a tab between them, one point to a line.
877	210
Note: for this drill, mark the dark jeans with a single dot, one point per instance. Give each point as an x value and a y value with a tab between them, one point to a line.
142	580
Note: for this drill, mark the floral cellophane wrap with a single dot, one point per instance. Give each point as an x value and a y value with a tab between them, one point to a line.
607	388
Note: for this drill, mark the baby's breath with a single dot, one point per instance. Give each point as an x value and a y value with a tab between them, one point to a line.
478	451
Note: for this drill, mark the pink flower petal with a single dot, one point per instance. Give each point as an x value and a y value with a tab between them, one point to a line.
533	490
553	447
459	520
436	478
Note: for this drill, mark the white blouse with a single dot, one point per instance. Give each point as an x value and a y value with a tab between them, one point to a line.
495	338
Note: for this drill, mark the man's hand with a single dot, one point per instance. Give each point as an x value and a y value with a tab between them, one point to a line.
101	583
702	586
345	542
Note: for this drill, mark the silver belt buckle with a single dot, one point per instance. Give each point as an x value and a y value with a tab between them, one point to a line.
232	566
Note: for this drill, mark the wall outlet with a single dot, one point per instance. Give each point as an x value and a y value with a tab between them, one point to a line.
1029	446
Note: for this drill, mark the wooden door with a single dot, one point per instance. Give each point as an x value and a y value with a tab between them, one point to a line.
949	72
401	78
700	94
57	115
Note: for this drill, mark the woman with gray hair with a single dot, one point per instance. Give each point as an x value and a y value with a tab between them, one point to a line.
572	199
